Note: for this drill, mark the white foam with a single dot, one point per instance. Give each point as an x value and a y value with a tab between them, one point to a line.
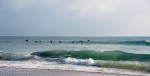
53	65
147	41
11	56
79	61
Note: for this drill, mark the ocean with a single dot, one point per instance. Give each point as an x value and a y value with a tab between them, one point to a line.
119	55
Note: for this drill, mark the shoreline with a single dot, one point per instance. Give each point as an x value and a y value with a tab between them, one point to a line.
51	72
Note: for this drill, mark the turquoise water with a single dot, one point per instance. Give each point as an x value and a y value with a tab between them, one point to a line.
132	53
127	44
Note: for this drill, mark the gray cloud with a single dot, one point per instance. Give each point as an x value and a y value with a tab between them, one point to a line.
75	18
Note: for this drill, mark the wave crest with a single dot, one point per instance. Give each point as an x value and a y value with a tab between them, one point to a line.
86	54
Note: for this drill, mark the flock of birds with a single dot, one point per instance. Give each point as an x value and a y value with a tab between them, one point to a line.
62	42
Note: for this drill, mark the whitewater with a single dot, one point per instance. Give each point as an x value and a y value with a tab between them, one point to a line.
119	55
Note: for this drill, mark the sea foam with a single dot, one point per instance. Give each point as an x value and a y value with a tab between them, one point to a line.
53	65
70	60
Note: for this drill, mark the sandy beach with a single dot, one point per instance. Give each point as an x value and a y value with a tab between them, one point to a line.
40	72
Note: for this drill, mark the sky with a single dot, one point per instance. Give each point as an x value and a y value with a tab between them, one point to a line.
74	17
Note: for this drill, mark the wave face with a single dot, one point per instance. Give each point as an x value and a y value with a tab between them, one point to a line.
108	59
86	54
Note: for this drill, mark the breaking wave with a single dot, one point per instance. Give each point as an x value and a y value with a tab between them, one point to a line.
11	56
132	65
106	59
96	55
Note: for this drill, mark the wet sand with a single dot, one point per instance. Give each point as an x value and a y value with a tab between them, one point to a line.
41	72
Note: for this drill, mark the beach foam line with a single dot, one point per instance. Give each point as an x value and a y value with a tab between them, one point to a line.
53	66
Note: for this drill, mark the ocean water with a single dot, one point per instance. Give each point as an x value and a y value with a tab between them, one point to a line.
120	55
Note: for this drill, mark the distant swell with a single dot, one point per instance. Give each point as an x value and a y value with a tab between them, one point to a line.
141	42
144	42
86	54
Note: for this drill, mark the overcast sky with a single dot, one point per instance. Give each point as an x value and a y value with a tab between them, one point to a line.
74	17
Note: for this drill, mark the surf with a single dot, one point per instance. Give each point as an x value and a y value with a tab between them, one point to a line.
131	65
106	59
14	57
115	55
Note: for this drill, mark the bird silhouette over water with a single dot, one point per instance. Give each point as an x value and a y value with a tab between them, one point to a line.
60	42
27	40
51	41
